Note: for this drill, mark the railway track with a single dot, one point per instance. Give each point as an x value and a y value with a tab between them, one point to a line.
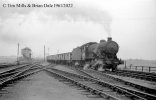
115	80
135	74
18	73
6	72
118	81
96	86
4	65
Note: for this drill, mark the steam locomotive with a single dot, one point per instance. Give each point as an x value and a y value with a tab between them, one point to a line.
98	56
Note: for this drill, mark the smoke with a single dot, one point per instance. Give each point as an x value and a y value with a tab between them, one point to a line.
16	17
77	13
83	14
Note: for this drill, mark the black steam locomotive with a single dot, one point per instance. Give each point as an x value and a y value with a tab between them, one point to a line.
98	56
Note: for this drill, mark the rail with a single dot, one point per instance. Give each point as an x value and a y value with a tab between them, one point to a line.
100	86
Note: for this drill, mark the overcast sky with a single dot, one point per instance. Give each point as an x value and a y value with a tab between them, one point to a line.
131	23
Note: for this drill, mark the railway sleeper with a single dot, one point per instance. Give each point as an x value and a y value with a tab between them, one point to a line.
136	73
145	89
81	85
92	89
93	96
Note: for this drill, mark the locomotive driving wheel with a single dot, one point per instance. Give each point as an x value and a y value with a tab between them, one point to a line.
114	68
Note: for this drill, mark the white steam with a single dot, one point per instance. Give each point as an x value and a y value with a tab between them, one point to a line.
83	14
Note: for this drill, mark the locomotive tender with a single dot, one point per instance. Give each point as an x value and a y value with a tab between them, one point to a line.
98	56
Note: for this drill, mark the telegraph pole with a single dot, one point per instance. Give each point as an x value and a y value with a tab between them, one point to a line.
48	51
44	53
17	53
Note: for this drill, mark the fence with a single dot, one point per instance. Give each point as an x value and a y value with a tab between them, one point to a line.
141	68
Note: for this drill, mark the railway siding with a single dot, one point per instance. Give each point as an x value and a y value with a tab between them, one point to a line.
129	80
42	86
136	74
142	85
17	73
132	87
97	83
87	85
147	84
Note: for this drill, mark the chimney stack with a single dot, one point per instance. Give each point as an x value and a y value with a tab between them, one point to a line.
109	39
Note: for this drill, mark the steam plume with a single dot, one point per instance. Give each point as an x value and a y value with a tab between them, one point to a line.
84	14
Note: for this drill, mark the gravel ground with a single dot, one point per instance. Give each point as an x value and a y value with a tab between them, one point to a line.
62	67
42	86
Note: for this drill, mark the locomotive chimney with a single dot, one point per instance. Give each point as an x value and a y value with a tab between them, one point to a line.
109	39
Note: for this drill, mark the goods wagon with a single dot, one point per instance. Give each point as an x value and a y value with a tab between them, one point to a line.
60	58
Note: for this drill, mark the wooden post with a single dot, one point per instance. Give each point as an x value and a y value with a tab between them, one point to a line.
130	66
17	53
44	53
142	68
125	64
149	68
